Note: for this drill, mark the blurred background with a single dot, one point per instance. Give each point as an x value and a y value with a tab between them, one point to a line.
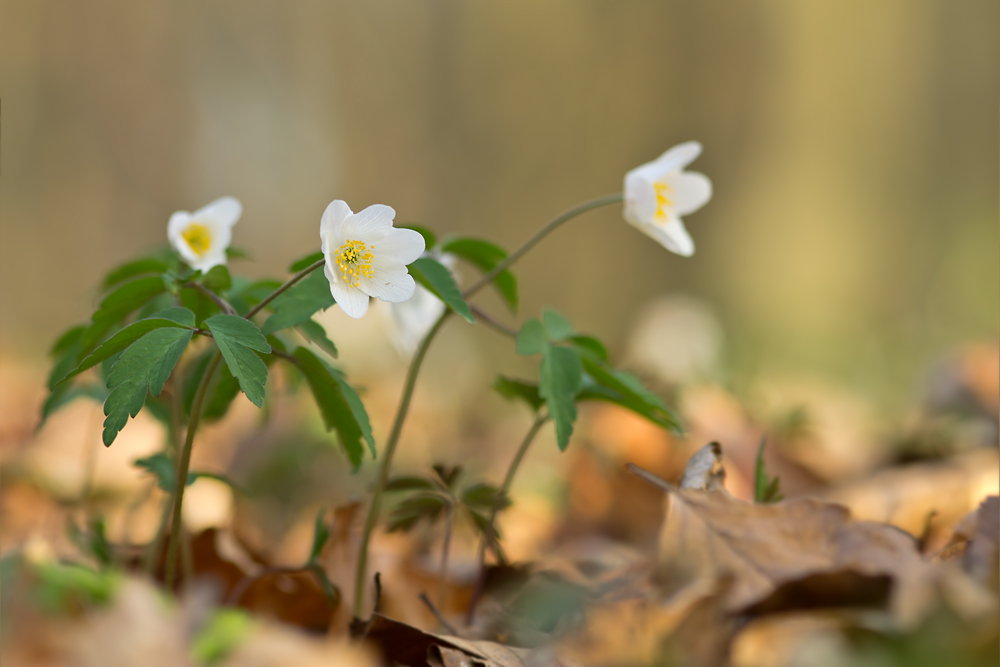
849	256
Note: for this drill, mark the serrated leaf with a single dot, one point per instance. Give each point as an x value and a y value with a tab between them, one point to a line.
305	262
433	275
429	237
314	332
139	267
320	535
557	327
238	339
333	404
531	338
486	256
144	366
519	390
299	303
561	374
177	318
117	305
69	338
217	279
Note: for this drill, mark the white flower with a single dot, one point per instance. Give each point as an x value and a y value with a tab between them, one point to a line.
203	236
410	320
659	192
366	256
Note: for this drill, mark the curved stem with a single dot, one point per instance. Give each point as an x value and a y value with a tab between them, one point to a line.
383	471
488	537
184	464
488	277
490	321
219	301
291	281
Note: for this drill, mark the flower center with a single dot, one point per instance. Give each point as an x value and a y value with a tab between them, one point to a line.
663	202
355	260
198	237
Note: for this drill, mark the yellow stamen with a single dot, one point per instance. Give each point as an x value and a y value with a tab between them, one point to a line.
198	237
355	260
663	202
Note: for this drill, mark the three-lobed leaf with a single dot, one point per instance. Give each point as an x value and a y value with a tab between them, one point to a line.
433	275
486	256
144	366
239	340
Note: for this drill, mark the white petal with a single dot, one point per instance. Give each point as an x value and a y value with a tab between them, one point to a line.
351	300
674	159
372	223
691	191
390	285
399	245
671	235
213	257
227	210
333	218
640	199
178	221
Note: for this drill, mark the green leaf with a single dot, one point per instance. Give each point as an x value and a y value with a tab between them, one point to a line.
217	279
227	628
199	303
486	256
433	275
314	332
357	409
531	338
561	374
333	405
628	392
429	237
409	483
557	327
320	535
483	496
65	587
305	262
178	318
514	389
66	393
117	305
591	345
413	509
766	490
226	388
145	365
299	303
244	294
238	339
139	267
232	252
68	339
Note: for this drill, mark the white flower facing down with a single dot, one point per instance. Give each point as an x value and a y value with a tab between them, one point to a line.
410	321
366	256
202	237
658	193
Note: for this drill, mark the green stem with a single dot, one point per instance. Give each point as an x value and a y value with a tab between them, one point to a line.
182	470
384	467
502	494
291	281
488	277
411	379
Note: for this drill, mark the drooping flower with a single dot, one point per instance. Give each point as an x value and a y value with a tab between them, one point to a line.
202	237
410	320
366	256
658	193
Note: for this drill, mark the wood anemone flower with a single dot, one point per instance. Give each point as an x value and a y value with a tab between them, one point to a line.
202	237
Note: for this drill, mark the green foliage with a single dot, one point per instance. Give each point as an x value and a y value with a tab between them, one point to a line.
433	275
320	535
225	630
93	541
217	279
519	390
244	294
341	410
139	267
179	318
199	303
145	365
560	378
305	262
65	394
589	345
314	332
67	587
238	340
531	339
765	489
299	303
117	305
557	327
486	256
431	496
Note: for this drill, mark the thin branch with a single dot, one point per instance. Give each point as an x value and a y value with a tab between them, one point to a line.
655	480
437	614
219	301
289	283
488	319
